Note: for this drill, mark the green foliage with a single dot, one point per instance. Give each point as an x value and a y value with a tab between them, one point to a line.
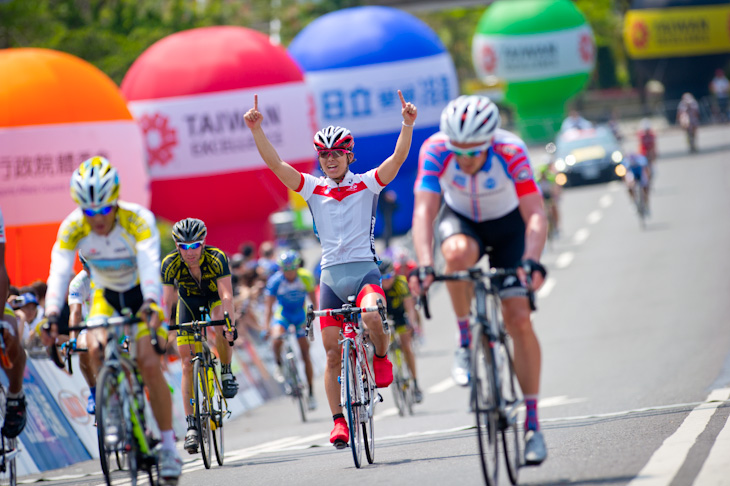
166	242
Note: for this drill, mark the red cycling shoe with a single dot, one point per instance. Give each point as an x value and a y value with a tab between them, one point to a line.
383	369
340	434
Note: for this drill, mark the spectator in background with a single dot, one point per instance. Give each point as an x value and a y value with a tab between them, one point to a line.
720	89
575	122
388	205
28	313
40	287
266	263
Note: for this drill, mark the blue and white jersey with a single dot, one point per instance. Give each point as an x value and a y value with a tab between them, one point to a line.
493	192
291	295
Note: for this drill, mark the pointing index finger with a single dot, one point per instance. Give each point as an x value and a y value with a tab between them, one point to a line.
402	100
256	102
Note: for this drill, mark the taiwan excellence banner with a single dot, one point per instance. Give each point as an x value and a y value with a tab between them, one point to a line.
365	98
37	162
205	134
534	56
677	31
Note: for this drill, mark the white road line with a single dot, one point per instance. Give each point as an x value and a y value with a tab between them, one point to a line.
605	201
564	259
715	470
666	461
581	236
546	288
594	217
442	386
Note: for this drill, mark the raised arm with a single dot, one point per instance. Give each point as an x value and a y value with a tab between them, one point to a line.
390	167
287	174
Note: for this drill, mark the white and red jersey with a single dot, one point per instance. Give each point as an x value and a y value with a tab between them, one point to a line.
344	215
492	192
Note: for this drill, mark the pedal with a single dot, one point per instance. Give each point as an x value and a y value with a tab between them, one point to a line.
340	444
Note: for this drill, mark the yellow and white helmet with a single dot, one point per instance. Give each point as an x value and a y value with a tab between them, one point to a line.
95	184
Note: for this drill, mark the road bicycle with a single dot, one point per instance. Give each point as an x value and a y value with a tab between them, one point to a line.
495	396
358	392
210	405
293	381
403	386
120	401
10	450
640	203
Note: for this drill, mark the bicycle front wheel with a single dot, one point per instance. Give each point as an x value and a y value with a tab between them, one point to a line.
202	409
216	421
113	435
484	404
9	451
352	400
399	383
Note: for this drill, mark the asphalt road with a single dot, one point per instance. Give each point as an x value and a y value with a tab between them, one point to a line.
636	358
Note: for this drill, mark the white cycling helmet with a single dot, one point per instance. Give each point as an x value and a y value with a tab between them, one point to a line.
470	119
337	138
95	184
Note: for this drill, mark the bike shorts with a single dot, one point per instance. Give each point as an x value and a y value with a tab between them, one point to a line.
637	174
501	239
339	282
109	303
284	323
188	310
401	326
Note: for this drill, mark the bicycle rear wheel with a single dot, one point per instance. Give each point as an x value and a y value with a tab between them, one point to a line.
202	409
352	384
511	437
217	422
296	384
398	383
484	397
9	451
367	411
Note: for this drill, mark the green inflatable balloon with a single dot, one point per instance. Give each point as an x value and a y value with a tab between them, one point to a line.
543	50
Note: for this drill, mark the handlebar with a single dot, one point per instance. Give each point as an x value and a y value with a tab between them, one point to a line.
124	320
347	310
474	274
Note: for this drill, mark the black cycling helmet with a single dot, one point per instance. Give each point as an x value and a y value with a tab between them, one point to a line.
189	230
386	266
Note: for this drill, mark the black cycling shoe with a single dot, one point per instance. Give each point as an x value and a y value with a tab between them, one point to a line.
14	417
230	387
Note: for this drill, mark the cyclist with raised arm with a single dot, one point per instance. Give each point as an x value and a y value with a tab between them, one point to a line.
402	312
290	286
343	207
122	248
491	205
196	275
15	414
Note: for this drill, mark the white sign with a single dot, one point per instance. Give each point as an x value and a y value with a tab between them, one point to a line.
36	164
365	99
534	56
205	134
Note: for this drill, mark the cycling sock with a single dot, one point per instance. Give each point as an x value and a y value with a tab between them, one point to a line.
20	394
464	331
168	439
338	416
226	368
92	391
531	422
380	357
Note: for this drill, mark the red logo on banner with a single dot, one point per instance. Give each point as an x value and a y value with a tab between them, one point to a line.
489	59
586	48
639	34
159	137
72	406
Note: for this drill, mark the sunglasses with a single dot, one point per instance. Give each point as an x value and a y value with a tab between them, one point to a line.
469	152
93	212
334	153
190	246
387	276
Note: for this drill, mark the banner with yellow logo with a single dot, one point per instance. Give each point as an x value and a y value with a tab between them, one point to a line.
677	32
